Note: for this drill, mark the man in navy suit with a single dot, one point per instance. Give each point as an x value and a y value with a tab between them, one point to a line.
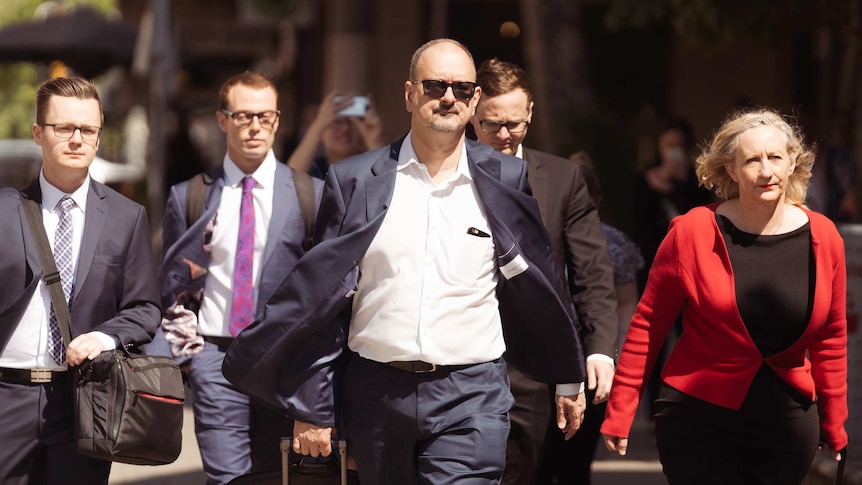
101	242
431	261
250	195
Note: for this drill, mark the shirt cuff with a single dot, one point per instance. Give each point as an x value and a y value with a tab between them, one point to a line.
570	389
110	343
606	358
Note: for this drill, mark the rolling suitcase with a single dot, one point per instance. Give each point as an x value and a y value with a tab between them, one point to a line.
307	471
313	472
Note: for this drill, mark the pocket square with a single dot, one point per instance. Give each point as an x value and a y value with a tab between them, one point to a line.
195	270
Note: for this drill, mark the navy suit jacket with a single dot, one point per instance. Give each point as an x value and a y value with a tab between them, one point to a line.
290	357
115	284
185	261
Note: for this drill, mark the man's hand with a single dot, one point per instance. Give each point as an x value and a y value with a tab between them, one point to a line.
311	439
570	413
83	347
615	443
600	376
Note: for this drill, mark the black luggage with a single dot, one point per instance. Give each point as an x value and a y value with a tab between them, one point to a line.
307	471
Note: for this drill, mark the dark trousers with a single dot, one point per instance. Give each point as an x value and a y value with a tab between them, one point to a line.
529	418
770	440
443	427
38	438
569	462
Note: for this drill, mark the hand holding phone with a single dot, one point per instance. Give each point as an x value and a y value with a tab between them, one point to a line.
358	108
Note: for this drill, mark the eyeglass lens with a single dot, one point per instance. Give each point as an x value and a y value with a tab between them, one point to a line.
462	90
511	126
88	133
265	118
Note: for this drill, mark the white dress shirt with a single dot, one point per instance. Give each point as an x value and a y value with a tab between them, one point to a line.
427	289
214	314
28	346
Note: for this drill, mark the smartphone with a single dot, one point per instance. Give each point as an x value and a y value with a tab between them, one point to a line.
358	108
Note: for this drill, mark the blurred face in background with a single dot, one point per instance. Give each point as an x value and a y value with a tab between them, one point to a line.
672	150
341	139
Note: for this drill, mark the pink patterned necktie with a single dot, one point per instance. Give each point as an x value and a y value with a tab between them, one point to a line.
242	307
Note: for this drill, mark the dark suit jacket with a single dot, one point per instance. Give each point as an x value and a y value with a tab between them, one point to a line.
579	246
183	246
290	357
115	289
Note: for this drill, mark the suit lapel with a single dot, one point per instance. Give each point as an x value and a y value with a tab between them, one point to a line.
283	190
538	179
94	221
381	185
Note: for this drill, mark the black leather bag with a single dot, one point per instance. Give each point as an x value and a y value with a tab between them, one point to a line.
129	408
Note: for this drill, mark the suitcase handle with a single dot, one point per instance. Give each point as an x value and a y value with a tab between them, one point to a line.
287	447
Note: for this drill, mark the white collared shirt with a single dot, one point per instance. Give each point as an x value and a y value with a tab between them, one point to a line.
427	289
214	314
28	345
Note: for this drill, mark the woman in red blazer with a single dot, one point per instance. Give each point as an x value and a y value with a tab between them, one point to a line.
759	374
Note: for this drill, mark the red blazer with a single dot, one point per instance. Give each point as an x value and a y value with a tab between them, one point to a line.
715	359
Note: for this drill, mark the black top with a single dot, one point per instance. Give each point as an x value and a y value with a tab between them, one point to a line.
774	278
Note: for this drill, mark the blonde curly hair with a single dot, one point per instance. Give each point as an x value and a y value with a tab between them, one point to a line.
721	151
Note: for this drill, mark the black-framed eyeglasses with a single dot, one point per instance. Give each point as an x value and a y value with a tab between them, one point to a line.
511	126
66	131
266	118
436	89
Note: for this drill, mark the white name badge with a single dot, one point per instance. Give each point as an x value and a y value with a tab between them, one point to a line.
514	267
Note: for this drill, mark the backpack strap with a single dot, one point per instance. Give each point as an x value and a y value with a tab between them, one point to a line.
305	193
196	194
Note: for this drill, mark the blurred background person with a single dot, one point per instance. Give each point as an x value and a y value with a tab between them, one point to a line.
667	189
570	461
760	373
338	135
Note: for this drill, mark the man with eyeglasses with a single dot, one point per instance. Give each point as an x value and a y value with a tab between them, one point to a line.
225	265
431	261
100	242
502	119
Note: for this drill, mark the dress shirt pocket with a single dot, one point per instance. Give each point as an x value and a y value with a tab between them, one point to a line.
473	256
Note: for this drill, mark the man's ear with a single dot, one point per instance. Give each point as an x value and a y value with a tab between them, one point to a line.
408	93
37	133
530	112
222	121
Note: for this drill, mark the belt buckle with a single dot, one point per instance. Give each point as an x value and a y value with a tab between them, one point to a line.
425	371
40	376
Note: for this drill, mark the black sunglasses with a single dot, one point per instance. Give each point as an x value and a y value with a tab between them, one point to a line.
436	89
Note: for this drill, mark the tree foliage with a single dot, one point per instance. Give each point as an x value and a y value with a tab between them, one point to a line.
19	81
707	23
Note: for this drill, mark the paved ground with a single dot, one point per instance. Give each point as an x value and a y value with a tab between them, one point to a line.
639	467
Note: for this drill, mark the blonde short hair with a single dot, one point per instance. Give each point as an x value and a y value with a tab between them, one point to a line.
721	151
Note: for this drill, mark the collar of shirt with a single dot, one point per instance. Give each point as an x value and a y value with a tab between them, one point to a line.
520	151
264	176
51	195
407	157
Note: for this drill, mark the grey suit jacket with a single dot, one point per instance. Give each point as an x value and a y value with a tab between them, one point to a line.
115	290
291	356
185	260
579	246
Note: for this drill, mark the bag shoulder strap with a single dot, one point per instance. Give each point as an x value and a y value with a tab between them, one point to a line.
50	274
305	192
196	194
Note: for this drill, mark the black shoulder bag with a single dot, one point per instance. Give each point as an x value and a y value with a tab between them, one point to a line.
128	406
